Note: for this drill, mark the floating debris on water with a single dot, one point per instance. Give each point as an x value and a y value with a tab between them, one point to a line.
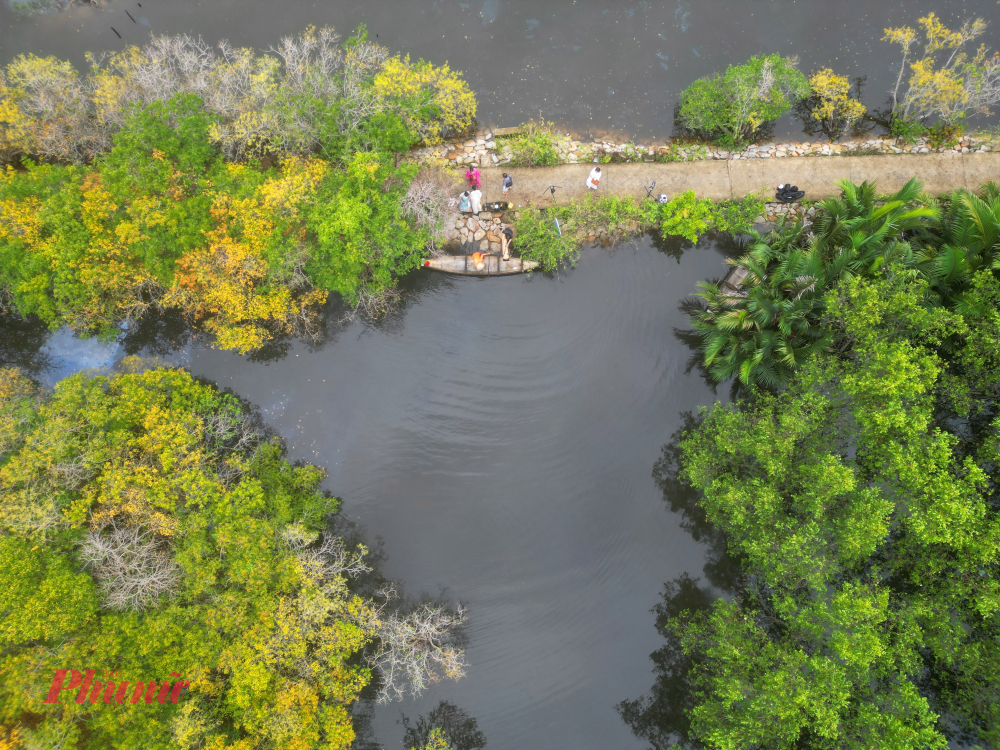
490	11
682	14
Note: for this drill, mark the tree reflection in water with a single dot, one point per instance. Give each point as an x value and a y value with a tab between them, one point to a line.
21	340
660	716
459	729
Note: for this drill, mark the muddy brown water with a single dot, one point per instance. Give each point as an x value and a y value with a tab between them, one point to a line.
613	66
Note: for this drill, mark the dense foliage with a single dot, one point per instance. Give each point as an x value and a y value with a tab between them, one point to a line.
862	503
161	219
615	218
731	107
243	612
773	323
534	146
311	96
151	526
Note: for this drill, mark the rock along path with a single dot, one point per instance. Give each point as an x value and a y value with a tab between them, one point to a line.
722	180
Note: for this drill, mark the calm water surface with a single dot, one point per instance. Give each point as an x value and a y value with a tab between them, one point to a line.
594	66
499	435
500	438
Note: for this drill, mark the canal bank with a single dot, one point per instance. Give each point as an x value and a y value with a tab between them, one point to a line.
726	180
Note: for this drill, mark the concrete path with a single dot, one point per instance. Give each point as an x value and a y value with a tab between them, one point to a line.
720	180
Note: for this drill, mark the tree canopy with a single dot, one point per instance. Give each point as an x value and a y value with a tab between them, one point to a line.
151	527
861	501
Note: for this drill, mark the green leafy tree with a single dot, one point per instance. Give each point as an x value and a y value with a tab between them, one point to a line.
363	239
861	502
732	106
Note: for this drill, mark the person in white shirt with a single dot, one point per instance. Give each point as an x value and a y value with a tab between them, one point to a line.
595	178
476	197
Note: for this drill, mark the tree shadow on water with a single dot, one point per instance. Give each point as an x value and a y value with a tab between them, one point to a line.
660	717
460	730
159	334
721	570
21	342
670	244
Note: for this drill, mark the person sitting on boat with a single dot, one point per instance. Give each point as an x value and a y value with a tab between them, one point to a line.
464	204
478	260
506	237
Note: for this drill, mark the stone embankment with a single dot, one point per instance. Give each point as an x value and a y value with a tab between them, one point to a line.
476	231
486	150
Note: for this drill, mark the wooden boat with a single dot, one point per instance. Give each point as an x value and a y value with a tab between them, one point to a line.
493	265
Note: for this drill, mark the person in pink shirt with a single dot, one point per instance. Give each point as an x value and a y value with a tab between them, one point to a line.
472	175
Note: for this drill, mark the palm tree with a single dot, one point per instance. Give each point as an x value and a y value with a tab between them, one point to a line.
966	241
764	330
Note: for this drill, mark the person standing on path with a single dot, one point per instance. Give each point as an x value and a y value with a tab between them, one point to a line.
594	179
508	183
472	175
464	204
476	197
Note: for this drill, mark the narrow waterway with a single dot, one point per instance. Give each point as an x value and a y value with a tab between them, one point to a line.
594	66
499	435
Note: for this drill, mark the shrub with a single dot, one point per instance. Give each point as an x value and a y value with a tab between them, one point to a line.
732	106
738	216
672	152
537	239
686	216
534	147
831	104
908	131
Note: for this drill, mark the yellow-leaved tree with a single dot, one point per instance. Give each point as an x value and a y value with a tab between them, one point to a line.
946	81
249	282
831	103
434	100
15	125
